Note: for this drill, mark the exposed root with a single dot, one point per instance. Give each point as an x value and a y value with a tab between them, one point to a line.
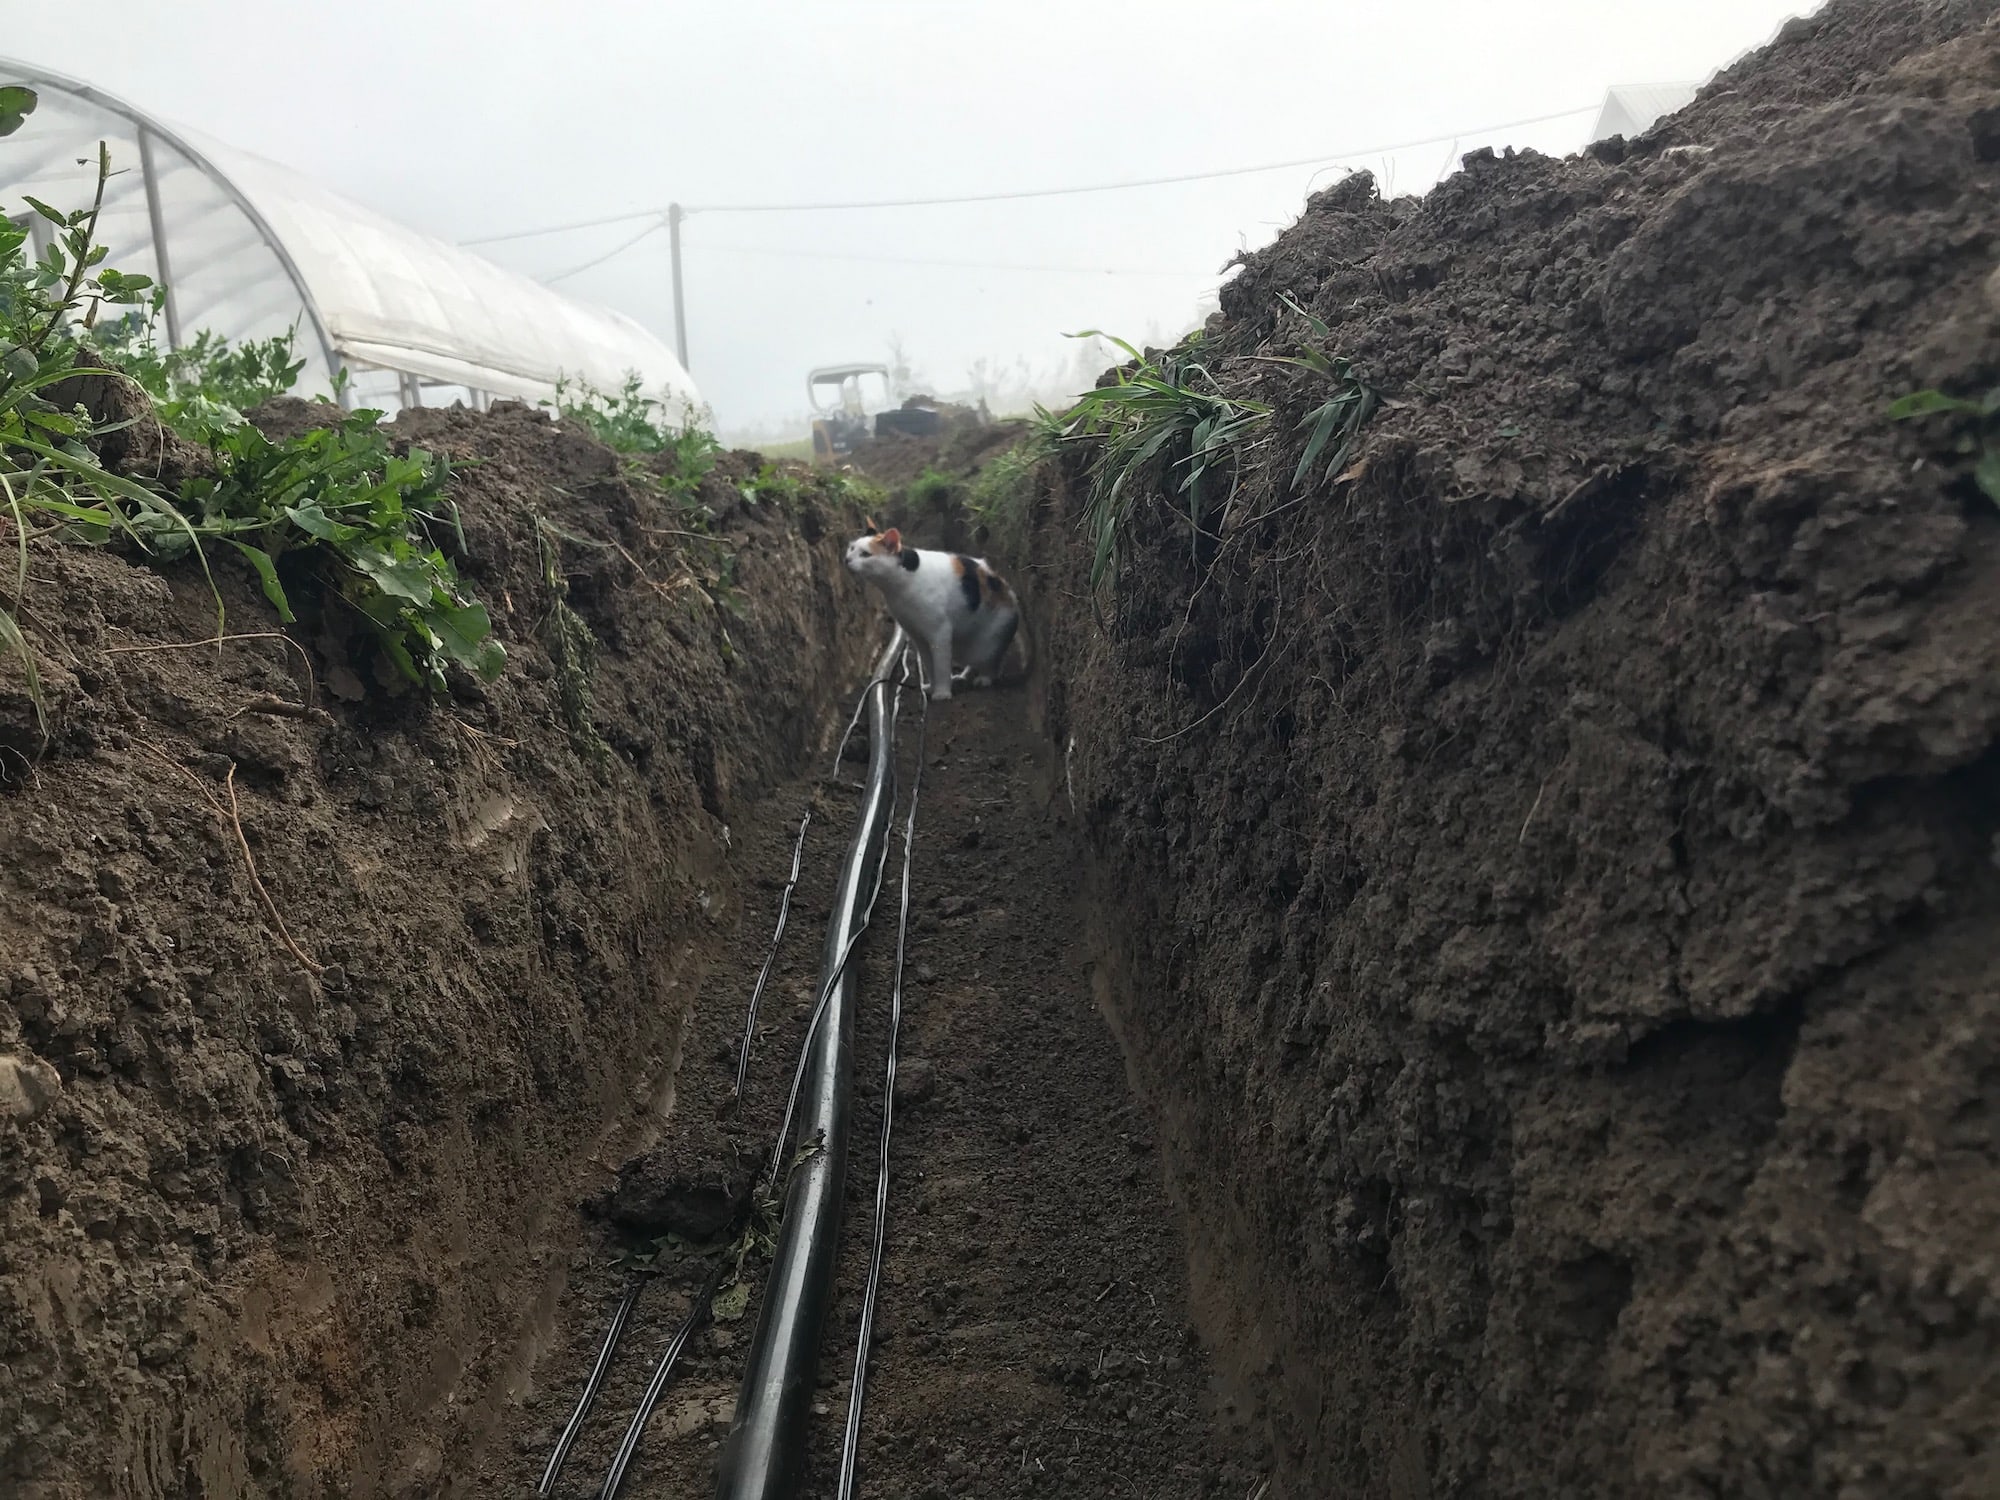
305	658
233	816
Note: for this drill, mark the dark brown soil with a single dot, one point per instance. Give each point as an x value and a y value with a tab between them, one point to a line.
933	514
963	435
1548	879
1032	1335
284	1223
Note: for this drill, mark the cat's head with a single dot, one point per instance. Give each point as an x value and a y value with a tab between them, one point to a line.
878	553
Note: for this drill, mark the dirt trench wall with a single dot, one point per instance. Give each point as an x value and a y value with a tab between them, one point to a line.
1547	882
267	1232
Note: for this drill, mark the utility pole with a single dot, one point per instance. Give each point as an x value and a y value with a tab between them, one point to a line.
675	213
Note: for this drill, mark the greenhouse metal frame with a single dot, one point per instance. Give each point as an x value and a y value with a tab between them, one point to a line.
248	249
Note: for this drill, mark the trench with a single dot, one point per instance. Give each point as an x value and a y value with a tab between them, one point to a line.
1032	1331
1501	1004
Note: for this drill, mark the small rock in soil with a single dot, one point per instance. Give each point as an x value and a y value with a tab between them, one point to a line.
28	1086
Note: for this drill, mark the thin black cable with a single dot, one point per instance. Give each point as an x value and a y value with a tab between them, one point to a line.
616	1330
628	1448
1017	195
851	1441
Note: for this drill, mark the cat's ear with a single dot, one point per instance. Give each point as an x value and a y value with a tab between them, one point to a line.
893	539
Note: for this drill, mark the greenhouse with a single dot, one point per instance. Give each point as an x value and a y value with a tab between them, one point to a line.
249	249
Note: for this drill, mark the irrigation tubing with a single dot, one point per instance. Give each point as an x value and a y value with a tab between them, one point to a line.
785	908
612	1334
851	1442
765	1454
628	1447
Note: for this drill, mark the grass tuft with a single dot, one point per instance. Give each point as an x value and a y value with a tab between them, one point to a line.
1162	419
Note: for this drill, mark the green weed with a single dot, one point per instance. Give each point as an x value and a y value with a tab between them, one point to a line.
209	384
362	520
1000	496
1167	417
50	481
931	489
771	485
1335	424
1978	441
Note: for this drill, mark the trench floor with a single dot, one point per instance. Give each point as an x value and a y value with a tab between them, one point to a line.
1032	1333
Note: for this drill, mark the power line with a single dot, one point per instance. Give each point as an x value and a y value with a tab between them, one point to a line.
968	265
1018	195
598	260
890	260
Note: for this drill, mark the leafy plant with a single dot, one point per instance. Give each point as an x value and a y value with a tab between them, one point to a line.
207	385
1165	416
364	518
16	104
1000	494
49	478
773	485
1979	440
626	420
673	459
336	506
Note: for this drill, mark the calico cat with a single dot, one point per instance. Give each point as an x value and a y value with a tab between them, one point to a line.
955	607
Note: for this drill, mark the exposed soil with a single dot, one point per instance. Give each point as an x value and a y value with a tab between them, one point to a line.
1543	881
280	1208
1032	1335
1548	876
963	435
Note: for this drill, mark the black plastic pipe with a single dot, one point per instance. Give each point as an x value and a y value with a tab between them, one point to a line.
765	1454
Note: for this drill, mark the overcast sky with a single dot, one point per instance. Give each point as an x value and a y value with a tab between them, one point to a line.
475	117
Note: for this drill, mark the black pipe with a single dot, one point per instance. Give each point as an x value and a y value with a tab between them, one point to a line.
765	1454
850	1446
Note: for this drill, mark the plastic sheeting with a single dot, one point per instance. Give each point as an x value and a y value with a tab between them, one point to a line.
1632	109
254	248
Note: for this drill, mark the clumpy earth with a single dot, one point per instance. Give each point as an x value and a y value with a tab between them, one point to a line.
1547	874
288	1163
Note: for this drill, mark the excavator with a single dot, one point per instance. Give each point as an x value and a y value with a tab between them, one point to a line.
840	403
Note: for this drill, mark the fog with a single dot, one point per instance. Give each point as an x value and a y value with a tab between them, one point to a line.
471	120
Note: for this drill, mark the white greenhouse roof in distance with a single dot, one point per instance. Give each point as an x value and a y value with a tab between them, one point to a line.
253	248
1631	109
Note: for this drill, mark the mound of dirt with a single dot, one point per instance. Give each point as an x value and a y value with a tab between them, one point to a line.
964	440
320	1008
1547	876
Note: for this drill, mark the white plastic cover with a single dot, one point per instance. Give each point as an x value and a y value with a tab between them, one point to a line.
1631	109
255	248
